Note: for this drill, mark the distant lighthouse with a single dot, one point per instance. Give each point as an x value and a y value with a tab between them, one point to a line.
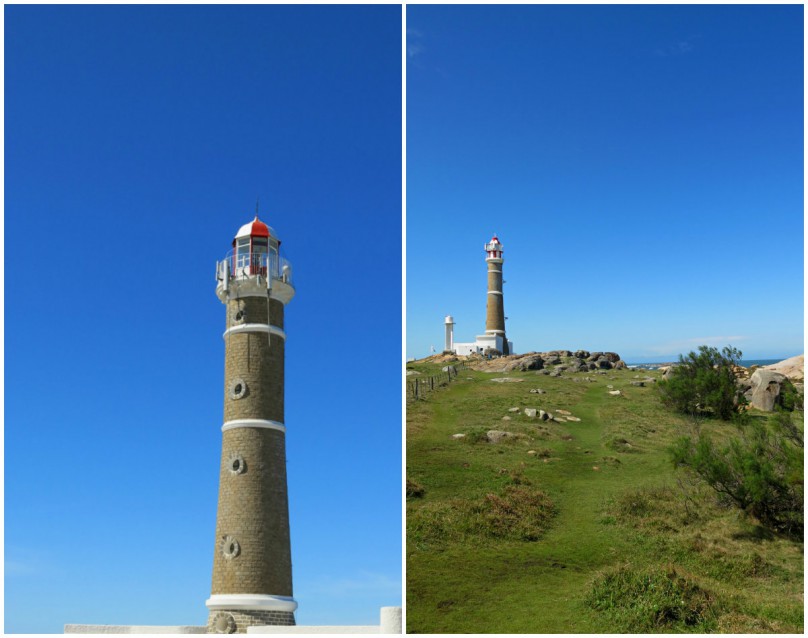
495	309
449	337
252	564
494	340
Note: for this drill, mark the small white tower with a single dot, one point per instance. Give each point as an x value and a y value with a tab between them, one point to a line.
449	322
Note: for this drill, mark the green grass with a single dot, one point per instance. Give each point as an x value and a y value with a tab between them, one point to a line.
503	541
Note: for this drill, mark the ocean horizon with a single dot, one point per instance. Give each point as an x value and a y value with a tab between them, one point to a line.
746	363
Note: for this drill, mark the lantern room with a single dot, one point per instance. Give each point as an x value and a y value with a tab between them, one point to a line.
255	249
493	249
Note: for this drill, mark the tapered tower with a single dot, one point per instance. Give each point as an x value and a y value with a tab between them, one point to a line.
495	309
449	337
252	564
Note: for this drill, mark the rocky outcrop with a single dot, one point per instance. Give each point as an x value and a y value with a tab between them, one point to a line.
764	389
793	368
560	360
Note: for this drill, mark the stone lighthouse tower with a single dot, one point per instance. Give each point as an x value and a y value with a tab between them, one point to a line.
252	564
495	309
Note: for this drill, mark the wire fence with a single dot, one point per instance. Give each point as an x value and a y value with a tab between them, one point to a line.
419	386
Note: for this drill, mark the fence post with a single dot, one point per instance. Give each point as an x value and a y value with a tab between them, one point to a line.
416	388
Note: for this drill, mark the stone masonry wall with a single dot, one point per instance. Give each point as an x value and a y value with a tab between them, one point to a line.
495	311
252	547
257	359
253	512
241	619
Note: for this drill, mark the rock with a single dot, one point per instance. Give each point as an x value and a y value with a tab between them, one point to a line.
615	393
543	372
530	412
530	362
793	368
458	436
764	389
574	419
558	353
551	359
559	419
639	384
610	386
620	365
581	354
495	436
564	412
555	373
506	418
449	369
506	380
592	365
594	356
412	372
604	364
612	356
537	391
513	409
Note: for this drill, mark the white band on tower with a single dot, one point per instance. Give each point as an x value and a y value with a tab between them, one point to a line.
255	327
253	423
255	602
494	292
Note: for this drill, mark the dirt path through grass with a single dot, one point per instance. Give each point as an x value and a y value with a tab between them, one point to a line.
483	584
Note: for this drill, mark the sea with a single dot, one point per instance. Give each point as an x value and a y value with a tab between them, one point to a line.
746	363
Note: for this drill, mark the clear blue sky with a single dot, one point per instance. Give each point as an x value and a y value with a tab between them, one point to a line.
642	165
136	142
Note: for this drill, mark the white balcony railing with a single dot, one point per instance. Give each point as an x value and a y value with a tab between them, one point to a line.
242	265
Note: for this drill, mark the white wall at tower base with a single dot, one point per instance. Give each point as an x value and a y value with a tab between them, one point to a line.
482	342
135	629
389	623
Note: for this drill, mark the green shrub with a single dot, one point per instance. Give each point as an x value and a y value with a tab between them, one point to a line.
654	599
705	384
760	471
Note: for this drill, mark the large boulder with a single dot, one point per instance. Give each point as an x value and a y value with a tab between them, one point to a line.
612	356
620	365
793	368
764	389
529	362
604	364
581	354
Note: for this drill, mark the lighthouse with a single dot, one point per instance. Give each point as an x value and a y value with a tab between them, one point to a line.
449	336
252	562
495	308
494	340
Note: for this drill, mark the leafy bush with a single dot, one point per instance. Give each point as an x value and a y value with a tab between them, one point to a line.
760	471
705	384
790	398
652	600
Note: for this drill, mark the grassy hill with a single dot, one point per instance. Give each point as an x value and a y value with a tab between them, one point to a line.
577	526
